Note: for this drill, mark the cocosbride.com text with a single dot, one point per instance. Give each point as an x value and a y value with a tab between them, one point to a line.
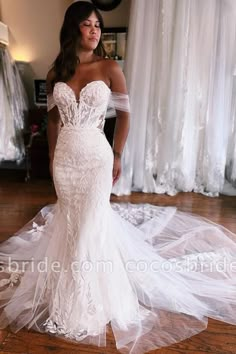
188	264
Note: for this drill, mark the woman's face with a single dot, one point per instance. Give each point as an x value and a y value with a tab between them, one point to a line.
90	32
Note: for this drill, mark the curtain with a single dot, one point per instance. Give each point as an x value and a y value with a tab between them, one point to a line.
179	67
13	105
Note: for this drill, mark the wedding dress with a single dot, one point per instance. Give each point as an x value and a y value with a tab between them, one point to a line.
152	274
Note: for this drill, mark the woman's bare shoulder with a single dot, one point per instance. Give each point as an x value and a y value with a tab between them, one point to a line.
110	63
115	76
111	67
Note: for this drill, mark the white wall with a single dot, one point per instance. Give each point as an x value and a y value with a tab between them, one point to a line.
33	28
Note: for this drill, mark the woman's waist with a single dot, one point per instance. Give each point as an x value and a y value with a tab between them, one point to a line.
82	144
79	138
81	129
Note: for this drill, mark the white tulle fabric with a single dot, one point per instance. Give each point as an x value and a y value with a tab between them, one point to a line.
151	274
13	106
182	94
50	102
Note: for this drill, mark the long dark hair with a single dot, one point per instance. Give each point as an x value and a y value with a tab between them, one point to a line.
70	35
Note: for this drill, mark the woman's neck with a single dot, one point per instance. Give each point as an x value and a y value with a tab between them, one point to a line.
86	57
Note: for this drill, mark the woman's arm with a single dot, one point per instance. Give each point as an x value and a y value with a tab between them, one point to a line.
53	125
118	85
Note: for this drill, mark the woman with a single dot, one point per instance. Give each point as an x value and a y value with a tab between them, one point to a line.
152	274
81	61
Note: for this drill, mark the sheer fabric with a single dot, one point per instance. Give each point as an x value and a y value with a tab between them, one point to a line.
231	155
119	102
50	102
13	106
180	73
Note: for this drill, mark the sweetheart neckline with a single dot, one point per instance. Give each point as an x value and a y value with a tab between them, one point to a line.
83	88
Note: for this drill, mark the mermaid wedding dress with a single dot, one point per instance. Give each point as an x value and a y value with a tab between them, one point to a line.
152	274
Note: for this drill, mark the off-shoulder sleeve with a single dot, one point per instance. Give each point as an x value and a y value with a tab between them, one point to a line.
50	102
119	101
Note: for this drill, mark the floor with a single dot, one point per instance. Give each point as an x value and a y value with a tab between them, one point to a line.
20	201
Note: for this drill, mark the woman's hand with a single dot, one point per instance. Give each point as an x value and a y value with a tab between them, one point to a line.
116	169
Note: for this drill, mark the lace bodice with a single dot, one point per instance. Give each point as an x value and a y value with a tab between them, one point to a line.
89	111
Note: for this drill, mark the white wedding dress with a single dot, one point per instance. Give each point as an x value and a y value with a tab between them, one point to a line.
151	273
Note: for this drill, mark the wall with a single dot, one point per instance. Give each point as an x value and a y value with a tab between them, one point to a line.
33	30
119	17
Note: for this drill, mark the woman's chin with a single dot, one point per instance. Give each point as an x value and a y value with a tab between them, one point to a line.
90	47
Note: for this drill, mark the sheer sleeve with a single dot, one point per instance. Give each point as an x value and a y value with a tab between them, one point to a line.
119	102
50	102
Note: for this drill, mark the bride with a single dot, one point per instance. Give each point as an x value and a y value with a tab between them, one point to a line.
151	274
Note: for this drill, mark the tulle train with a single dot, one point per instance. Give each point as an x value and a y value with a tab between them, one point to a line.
154	275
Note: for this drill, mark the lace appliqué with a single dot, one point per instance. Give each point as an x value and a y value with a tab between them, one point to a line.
57	323
89	111
11	281
140	213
